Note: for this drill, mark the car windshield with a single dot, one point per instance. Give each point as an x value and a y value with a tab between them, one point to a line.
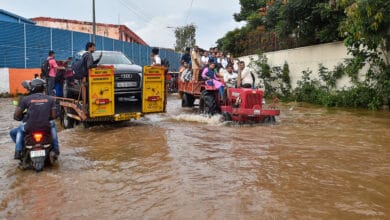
112	58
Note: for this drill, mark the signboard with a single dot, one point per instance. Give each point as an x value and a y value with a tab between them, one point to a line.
153	94
101	91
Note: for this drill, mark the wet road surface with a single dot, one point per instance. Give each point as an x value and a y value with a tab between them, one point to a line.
315	163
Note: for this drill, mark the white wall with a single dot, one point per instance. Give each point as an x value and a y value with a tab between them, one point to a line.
303	58
4	80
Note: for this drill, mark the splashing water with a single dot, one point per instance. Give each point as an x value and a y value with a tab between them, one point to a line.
201	118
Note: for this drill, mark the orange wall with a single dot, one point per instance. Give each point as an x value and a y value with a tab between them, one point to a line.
16	77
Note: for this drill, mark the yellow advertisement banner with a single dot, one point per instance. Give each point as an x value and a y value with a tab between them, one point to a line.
153	94
101	91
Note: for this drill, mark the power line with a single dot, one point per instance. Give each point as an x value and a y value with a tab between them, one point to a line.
138	12
135	12
189	11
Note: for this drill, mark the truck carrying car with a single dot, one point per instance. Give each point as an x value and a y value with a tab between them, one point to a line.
117	90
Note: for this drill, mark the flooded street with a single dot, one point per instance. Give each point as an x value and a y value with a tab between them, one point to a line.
315	163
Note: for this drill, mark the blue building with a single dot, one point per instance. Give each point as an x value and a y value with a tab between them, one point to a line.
23	44
11	17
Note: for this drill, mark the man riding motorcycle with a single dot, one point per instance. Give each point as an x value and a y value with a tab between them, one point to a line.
41	109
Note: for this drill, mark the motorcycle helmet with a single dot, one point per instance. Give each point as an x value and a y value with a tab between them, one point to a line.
26	84
37	85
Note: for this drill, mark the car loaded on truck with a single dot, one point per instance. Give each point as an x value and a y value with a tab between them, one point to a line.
115	90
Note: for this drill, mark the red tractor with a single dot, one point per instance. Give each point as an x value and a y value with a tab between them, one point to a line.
246	105
239	104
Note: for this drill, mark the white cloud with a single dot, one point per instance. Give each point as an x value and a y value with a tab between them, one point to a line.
155	32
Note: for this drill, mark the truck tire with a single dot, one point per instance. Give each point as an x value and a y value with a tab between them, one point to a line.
67	122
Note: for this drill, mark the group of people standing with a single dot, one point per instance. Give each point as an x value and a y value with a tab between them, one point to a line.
215	66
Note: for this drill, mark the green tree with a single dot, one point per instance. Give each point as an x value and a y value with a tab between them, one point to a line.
309	21
185	37
367	36
248	8
286	24
367	27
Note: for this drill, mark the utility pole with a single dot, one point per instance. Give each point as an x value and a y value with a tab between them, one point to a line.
93	22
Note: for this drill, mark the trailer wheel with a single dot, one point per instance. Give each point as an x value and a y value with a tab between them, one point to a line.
225	117
187	100
67	122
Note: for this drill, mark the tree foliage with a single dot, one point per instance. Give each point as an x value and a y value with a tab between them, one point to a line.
248	8
185	37
364	25
286	24
367	36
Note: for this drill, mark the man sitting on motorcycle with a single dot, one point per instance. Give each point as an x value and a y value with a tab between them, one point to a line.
41	109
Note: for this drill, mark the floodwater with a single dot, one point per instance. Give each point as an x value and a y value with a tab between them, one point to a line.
315	163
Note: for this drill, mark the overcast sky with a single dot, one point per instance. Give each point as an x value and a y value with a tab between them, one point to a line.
148	18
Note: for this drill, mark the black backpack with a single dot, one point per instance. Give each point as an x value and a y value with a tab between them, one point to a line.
45	68
79	67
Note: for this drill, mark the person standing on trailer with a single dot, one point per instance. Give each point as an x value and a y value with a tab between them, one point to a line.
195	61
155	58
53	67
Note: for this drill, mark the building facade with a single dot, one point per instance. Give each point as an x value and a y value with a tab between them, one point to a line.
118	32
11	17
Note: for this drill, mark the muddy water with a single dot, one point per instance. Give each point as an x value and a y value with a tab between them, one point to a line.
314	163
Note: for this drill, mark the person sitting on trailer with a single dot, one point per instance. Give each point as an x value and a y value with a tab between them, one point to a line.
186	56
186	74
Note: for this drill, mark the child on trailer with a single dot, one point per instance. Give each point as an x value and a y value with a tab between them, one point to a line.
211	78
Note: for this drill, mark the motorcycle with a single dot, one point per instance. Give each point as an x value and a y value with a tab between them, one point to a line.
38	146
37	151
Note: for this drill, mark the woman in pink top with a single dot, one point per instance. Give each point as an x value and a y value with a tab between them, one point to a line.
211	78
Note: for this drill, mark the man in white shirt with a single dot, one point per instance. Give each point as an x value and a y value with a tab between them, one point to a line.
245	76
224	61
230	77
155	58
205	58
